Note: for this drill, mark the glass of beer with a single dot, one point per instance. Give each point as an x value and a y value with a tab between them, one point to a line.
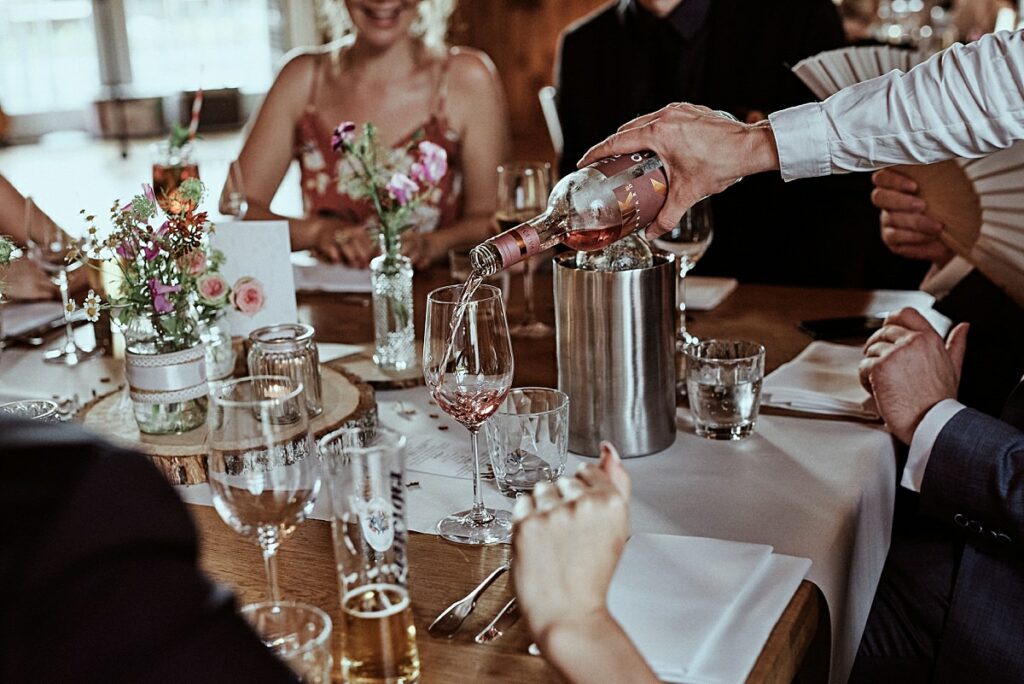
365	473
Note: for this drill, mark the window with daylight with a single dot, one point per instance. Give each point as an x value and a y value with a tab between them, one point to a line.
48	58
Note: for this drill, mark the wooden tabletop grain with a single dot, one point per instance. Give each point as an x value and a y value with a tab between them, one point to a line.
442	572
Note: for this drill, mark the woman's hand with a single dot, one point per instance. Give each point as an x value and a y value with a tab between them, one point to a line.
341	243
24	281
906	229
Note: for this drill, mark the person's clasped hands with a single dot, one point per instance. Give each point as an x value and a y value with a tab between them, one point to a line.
907	230
909	368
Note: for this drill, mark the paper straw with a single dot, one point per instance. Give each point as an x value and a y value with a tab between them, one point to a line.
197	106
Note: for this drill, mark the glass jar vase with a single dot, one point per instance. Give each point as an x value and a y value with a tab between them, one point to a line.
288	349
394	334
220	352
165	366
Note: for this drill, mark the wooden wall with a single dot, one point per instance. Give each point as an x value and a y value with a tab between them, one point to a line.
521	36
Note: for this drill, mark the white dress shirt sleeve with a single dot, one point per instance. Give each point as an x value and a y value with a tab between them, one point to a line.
924	440
967	101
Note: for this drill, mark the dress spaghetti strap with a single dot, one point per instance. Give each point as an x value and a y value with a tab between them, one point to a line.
441	92
314	84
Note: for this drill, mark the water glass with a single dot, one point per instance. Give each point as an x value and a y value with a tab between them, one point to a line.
723	380
288	349
528	438
298	634
365	473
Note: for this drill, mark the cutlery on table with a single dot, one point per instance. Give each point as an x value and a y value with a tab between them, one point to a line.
451	619
501	623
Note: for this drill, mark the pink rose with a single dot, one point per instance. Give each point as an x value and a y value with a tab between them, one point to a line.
213	289
158	291
193	263
247	296
402	188
344	133
433	163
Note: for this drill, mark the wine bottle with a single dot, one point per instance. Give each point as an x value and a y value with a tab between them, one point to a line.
588	209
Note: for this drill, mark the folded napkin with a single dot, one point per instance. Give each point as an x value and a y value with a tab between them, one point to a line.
823	380
312	275
700	610
704	293
21	318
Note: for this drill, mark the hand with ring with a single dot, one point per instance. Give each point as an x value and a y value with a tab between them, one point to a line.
346	244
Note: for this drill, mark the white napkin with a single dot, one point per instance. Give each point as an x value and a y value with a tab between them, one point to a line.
20	318
312	275
823	379
704	293
681	599
329	351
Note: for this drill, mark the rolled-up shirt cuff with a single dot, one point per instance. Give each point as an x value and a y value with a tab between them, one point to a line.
924	440
801	136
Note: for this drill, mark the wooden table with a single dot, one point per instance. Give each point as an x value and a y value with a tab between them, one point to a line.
442	571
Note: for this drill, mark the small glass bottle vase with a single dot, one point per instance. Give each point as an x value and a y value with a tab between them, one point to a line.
220	352
394	334
165	365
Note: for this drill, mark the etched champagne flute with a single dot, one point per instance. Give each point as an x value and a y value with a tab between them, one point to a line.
523	189
262	464
468	365
48	247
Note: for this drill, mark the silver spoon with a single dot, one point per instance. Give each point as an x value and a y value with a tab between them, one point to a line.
451	619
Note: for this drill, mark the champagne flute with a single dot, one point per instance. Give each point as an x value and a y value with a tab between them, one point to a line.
48	247
262	463
467	364
523	189
688	240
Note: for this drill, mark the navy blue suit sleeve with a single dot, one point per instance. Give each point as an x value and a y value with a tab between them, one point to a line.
976	471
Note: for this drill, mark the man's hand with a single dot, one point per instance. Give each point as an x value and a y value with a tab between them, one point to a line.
906	229
703	154
909	369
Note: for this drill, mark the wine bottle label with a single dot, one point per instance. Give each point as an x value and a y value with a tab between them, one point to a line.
516	244
641	198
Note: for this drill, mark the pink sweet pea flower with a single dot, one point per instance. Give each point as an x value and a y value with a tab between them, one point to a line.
148	193
247	296
159	292
433	163
402	188
213	289
344	133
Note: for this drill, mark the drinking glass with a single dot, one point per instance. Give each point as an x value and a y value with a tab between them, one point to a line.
298	634
467	364
723	380
688	240
289	349
234	192
365	473
528	439
523	189
262	465
48	247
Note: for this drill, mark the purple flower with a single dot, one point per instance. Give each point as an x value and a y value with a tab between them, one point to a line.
402	188
344	133
147	191
159	292
151	252
433	163
127	250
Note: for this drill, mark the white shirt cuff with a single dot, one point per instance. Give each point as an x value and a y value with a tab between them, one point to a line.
924	440
801	136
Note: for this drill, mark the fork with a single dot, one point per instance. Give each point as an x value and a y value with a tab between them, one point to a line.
452	617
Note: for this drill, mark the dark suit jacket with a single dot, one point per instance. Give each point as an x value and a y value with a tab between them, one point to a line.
98	566
820	232
975	482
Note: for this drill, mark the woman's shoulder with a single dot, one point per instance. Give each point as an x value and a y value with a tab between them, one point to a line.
298	64
470	69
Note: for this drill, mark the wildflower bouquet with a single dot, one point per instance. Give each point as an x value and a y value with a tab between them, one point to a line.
396	181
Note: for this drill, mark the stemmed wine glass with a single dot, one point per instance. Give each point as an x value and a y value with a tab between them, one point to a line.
467	363
523	189
262	463
688	240
48	247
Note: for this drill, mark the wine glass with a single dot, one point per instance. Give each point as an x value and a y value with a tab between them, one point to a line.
48	247
523	189
467	363
688	240
262	463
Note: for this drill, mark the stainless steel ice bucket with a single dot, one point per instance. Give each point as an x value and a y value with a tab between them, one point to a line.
616	355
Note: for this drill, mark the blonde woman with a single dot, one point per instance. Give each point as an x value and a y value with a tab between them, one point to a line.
390	66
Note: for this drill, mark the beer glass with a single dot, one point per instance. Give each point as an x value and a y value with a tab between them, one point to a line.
365	473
